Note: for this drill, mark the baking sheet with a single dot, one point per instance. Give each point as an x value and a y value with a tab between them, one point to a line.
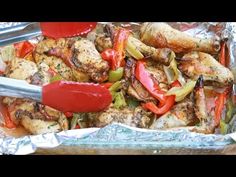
121	139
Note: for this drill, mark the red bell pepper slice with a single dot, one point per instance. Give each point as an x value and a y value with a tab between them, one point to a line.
6	115
77	127
110	56
68	114
23	48
170	101
220	100
65	55
119	46
165	102
222	54
116	55
145	78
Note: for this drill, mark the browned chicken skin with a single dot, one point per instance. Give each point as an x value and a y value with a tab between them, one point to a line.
87	59
195	64
160	55
161	35
186	114
200	108
136	118
181	115
103	42
34	117
135	88
81	54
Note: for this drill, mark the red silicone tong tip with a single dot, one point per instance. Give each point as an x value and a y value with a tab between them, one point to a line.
76	97
66	29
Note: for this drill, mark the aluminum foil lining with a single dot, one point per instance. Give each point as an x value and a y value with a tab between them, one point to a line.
114	136
122	136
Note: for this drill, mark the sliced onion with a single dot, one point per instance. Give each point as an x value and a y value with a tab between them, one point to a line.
169	74
181	78
132	50
173	73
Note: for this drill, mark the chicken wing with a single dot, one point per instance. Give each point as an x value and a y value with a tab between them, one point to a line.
163	56
87	59
187	114
200	109
195	64
161	35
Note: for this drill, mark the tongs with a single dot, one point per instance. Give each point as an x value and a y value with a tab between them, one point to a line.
65	96
29	30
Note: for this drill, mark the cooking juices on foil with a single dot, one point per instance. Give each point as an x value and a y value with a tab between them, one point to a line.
204	30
